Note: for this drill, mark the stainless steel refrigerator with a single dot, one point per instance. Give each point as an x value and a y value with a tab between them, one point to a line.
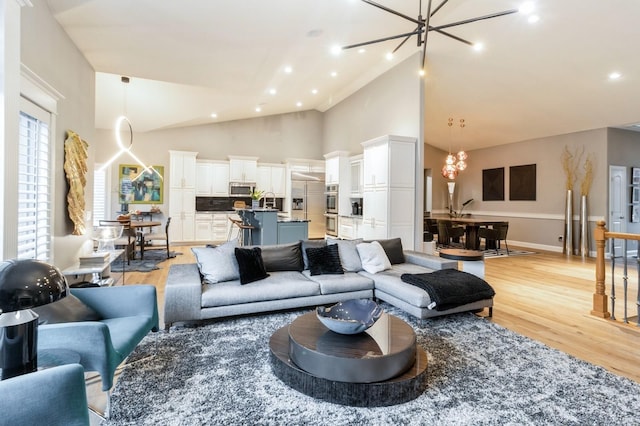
308	200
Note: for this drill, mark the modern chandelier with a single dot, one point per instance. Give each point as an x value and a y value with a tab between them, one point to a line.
423	27
454	163
121	122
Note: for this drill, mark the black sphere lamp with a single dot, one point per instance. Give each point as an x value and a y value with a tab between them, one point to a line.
24	284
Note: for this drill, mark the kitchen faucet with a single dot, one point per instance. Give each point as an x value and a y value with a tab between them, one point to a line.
269	204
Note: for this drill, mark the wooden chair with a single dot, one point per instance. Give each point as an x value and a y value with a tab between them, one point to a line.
242	227
448	233
496	233
128	239
157	236
430	229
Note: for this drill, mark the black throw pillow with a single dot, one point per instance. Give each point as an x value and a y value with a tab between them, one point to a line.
250	264
283	257
393	248
324	260
68	309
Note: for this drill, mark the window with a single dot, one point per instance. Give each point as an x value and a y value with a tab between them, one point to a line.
100	194
34	184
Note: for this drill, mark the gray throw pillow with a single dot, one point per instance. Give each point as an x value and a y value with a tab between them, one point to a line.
283	257
310	244
349	256
68	309
217	264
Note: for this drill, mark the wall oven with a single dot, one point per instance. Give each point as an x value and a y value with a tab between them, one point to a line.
331	195
331	224
241	189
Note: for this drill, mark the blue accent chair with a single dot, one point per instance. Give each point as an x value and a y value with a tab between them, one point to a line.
54	397
128	312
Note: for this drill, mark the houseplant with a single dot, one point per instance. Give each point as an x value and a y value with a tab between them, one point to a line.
256	196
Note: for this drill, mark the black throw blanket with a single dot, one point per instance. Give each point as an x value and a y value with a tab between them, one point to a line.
449	288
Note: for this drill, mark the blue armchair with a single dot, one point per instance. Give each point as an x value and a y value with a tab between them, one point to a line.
128	312
55	396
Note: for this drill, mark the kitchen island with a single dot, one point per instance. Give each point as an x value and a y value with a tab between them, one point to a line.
269	228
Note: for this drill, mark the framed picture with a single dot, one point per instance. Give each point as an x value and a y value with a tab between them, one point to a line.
139	185
635	175
635	213
493	184
635	194
522	183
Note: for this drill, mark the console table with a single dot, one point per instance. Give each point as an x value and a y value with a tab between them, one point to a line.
98	272
380	367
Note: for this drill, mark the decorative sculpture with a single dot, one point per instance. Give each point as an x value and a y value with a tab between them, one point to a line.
75	168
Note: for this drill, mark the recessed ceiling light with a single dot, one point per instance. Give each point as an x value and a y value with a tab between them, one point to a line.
614	75
421	73
333	74
314	91
272	91
478	47
362	50
526	8
388	56
288	69
258	109
336	50
298	104
214	115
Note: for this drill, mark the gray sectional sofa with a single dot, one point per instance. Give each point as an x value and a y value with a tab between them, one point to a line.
212	287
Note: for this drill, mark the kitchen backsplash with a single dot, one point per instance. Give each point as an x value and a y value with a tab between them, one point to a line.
222	204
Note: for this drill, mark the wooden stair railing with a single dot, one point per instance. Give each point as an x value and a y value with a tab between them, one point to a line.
601	235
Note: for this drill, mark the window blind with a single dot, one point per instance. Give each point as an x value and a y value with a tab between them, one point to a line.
34	189
99	195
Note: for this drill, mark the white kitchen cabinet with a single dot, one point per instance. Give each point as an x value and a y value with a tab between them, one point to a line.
204	177
243	169
272	178
338	172
182	169
349	227
220	185
220	227
332	171
203	227
304	165
212	178
389	189
356	178
182	195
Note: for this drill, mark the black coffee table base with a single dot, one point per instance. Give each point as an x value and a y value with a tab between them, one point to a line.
403	388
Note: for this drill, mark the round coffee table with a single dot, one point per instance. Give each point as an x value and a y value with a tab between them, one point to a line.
472	260
382	366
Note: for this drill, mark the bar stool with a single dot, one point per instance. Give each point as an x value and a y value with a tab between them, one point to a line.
242	227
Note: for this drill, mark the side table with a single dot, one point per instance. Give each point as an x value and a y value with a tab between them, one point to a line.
472	260
98	271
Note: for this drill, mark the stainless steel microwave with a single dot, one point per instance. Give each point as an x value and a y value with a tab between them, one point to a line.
241	189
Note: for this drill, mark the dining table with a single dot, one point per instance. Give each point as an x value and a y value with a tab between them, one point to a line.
471	226
141	225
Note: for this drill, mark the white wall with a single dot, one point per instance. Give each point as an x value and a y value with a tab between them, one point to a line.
47	51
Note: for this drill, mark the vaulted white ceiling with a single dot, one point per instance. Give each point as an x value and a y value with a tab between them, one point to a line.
188	59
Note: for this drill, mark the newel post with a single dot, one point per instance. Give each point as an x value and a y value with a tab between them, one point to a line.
600	297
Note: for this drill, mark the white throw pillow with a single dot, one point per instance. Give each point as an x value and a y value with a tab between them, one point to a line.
218	264
373	257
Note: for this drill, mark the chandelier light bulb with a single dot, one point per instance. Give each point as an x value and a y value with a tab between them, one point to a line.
451	159
462	156
461	165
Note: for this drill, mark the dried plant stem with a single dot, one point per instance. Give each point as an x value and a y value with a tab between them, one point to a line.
570	161
587	180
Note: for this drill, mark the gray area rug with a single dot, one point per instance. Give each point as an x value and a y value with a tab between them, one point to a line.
479	374
151	260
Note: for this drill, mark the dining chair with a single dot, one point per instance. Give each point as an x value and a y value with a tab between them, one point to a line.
448	233
496	233
150	237
128	238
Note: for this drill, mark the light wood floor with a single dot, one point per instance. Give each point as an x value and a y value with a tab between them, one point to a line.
545	296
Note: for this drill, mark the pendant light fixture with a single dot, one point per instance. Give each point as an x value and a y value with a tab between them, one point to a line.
123	122
449	170
462	156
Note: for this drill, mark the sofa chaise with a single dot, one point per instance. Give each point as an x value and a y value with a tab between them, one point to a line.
302	274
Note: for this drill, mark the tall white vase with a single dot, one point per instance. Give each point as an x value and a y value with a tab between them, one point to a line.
583	246
568	247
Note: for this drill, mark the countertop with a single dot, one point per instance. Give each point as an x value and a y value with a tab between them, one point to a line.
288	220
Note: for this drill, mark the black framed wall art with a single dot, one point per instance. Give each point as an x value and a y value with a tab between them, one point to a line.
493	184
522	183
